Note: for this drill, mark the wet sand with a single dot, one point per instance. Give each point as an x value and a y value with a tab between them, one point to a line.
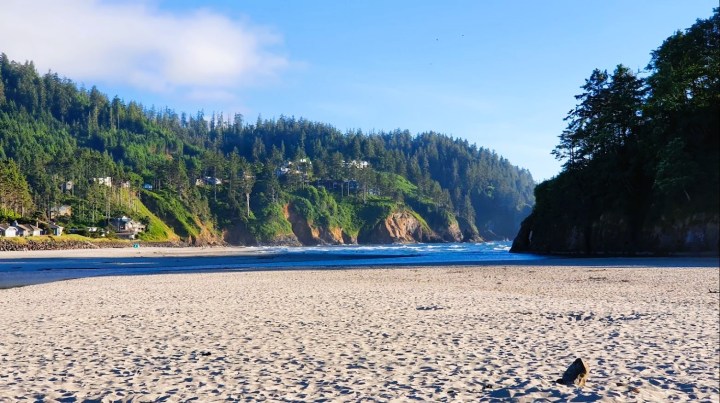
489	333
143	251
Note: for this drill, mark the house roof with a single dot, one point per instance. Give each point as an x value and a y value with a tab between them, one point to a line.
124	219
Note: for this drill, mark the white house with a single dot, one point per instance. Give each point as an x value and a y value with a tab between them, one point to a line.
27	229
68	186
356	164
296	168
126	223
281	171
107	181
126	227
56	230
210	180
8	230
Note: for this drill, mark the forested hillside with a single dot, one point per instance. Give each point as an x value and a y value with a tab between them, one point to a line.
214	178
641	158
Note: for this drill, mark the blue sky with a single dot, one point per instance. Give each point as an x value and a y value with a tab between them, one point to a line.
501	74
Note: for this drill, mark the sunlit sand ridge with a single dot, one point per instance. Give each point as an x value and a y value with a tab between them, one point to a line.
449	334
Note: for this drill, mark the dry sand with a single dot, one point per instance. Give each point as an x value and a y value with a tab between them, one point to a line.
435	334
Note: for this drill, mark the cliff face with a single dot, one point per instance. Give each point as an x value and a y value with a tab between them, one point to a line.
309	234
206	236
399	227
698	233
239	234
450	233
613	235
468	231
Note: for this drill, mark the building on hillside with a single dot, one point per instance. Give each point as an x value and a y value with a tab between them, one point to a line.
328	184
210	180
68	186
356	164
60	211
282	171
147	186
338	185
301	166
107	181
126	227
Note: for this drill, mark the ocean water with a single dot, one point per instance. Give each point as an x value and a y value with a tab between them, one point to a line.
18	272
382	255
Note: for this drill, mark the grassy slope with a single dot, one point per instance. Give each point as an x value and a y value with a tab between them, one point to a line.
157	230
173	218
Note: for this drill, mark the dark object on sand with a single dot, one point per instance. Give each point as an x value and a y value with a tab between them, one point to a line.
576	374
429	308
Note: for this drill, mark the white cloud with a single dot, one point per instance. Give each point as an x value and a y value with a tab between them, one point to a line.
139	45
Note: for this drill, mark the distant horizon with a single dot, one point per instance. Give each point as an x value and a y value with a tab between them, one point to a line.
501	76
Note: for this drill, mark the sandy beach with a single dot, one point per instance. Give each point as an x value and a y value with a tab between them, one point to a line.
489	333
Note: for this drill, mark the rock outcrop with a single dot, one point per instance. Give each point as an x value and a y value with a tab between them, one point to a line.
400	227
469	231
450	232
205	237
239	234
576	374
309	234
395	225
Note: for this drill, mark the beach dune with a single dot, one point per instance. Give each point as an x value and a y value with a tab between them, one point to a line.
438	334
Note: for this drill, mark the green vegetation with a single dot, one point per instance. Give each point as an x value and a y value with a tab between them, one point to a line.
52	242
156	228
373	213
207	175
271	224
167	209
14	193
320	207
641	157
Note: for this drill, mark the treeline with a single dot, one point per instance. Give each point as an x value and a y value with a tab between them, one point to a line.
641	157
56	133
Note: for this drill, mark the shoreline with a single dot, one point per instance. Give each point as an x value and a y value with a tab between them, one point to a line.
51	246
486	333
148	250
18	269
